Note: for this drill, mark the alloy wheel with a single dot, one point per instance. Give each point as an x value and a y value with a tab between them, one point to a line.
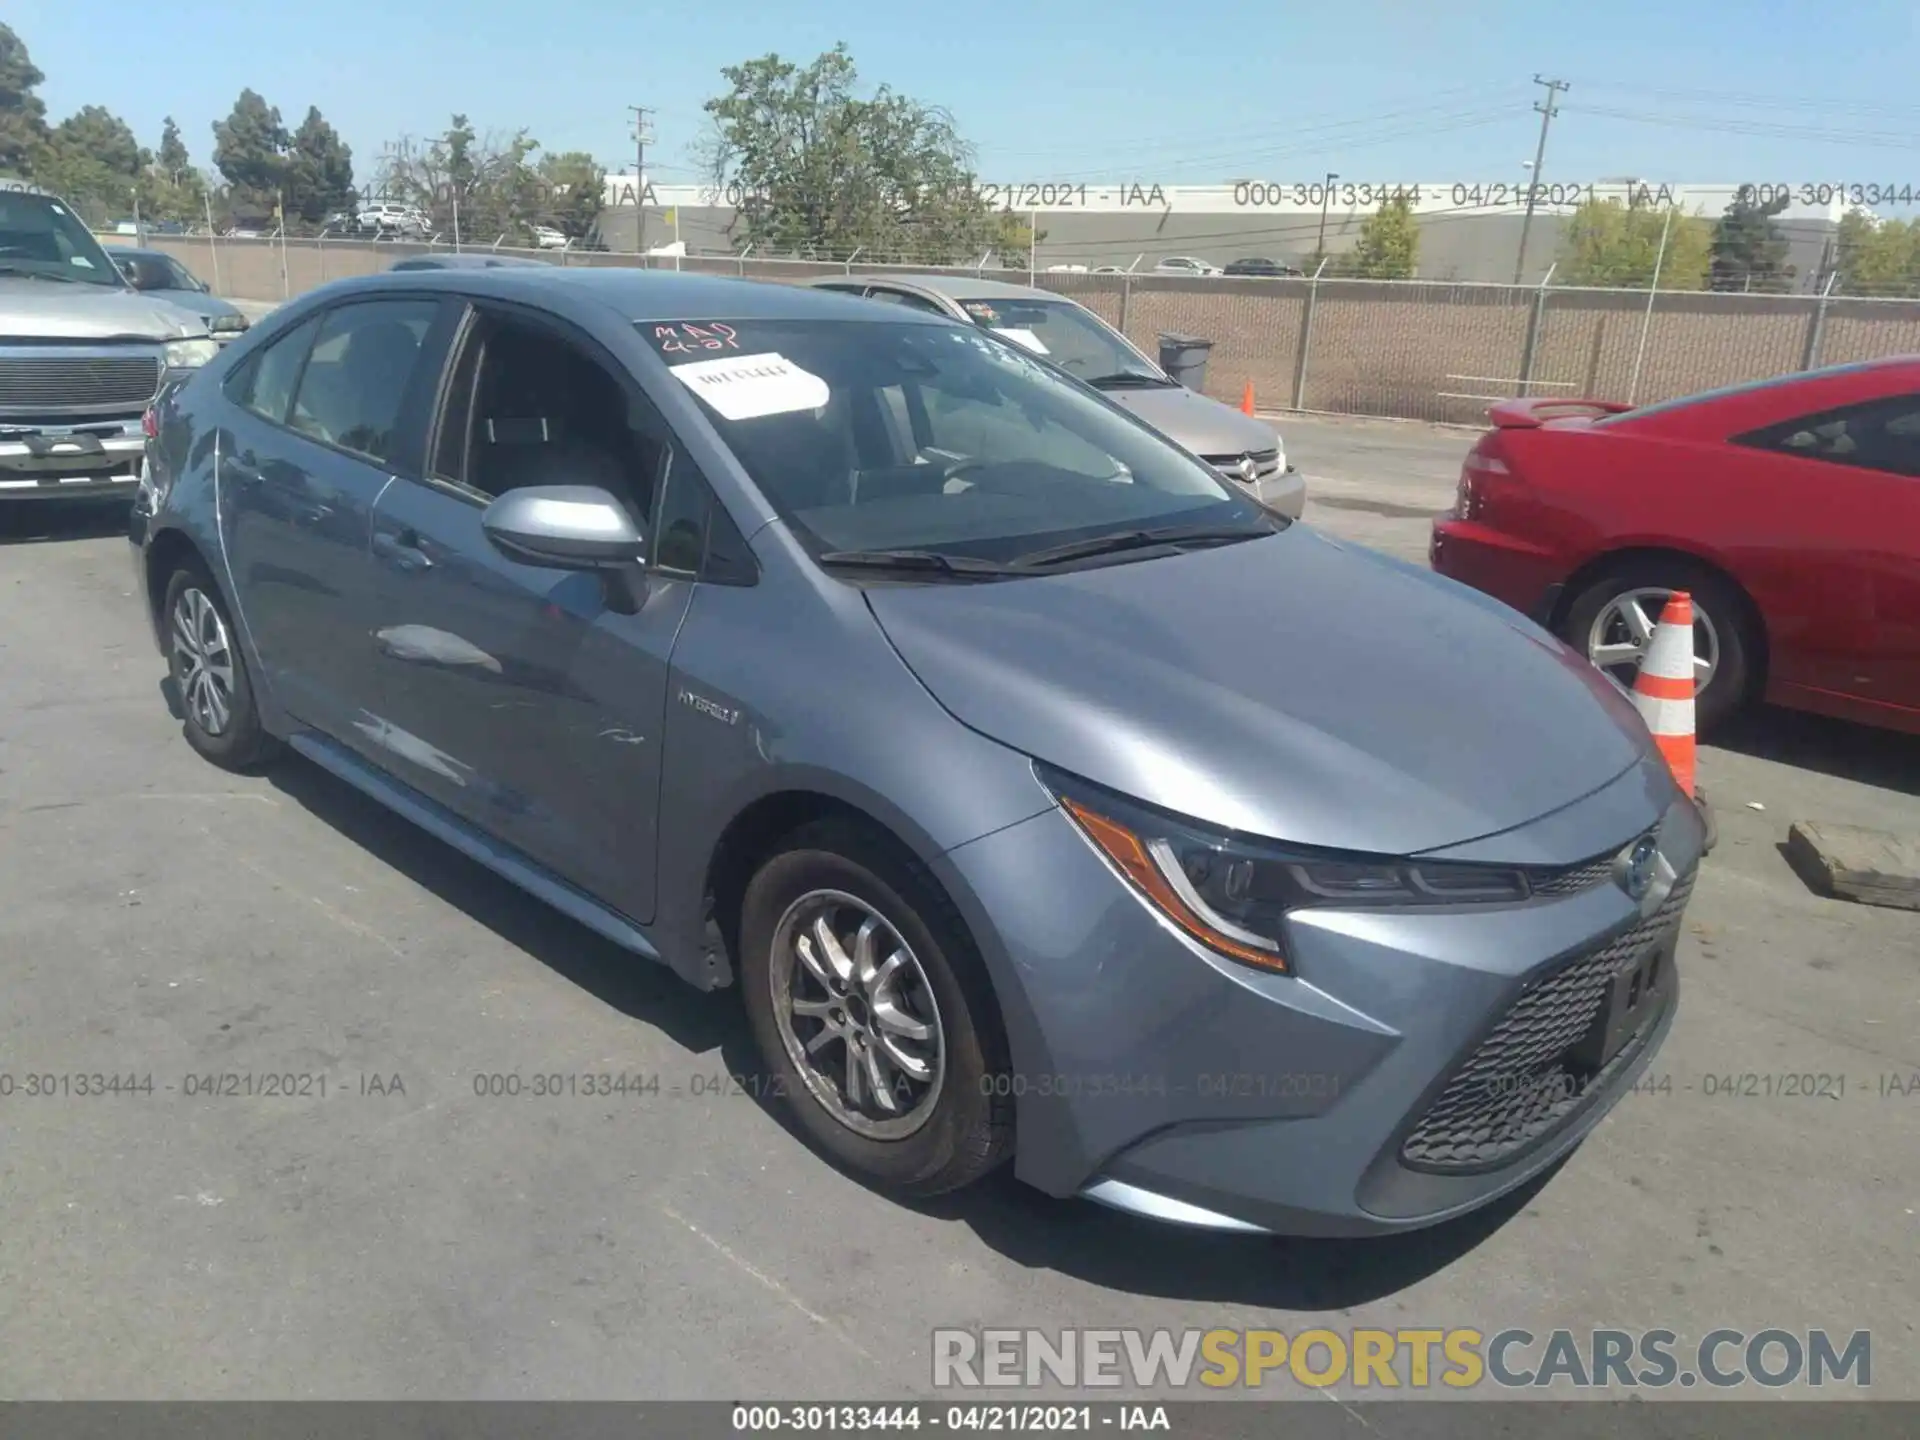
857	1015
1617	640
203	661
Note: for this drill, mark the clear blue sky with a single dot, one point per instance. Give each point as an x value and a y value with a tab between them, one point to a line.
1153	90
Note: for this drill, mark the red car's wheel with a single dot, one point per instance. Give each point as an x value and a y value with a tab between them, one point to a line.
1611	622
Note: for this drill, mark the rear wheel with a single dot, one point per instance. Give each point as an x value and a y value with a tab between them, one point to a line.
872	1012
210	675
1611	622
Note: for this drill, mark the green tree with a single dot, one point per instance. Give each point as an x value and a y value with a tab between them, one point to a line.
319	176
1878	257
1609	242
817	168
93	160
1749	252
250	151
170	188
23	114
481	187
573	191
1389	243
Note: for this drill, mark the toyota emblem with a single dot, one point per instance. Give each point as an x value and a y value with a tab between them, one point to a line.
1248	470
1636	867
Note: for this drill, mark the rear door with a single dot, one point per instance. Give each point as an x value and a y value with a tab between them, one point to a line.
320	421
1854	473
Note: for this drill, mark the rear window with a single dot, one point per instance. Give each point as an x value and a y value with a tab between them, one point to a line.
1746	387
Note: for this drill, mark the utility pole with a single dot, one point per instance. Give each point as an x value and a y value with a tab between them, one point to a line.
1326	193
642	132
1547	111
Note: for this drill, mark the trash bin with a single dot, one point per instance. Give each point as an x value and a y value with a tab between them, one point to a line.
1184	357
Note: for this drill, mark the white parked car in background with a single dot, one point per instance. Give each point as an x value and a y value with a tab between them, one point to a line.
548	238
386	218
1184	265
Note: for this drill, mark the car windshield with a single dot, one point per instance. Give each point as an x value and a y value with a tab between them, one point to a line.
875	436
40	236
1070	336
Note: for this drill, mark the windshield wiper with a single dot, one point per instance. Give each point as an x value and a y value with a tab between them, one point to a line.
1122	540
930	561
14	267
1128	377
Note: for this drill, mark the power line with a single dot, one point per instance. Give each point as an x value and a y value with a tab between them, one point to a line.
1547	111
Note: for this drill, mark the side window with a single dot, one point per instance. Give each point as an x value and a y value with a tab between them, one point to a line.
680	521
1879	435
900	297
357	374
529	407
265	384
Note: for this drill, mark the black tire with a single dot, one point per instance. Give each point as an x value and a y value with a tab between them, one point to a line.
967	1131
242	743
1714	597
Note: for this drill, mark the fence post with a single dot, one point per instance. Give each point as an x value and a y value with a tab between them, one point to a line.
1126	301
1817	326
1532	345
1306	336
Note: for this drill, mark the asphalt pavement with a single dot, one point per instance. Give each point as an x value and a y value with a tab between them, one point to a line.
404	1233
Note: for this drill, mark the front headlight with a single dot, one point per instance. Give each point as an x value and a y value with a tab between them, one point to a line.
191	354
227	324
1234	894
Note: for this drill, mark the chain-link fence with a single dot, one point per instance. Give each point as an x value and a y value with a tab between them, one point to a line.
1412	349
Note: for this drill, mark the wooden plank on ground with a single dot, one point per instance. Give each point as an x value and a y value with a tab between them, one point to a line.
1852	863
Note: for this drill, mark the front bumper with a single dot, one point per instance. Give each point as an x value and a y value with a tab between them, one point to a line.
98	459
1153	1075
1285	491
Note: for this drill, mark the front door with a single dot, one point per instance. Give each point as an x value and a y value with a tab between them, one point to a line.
513	694
319	421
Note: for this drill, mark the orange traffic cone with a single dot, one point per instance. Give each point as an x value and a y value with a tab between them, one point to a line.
1663	690
1246	399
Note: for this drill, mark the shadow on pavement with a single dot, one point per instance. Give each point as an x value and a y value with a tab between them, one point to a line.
626	982
1886	759
1121	1252
35	522
1074	1237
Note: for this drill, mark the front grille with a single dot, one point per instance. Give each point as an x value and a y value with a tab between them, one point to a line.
1520	1083
55	384
1265	463
1573	879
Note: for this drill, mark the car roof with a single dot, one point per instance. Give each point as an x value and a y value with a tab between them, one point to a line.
464	262
954	287
642	294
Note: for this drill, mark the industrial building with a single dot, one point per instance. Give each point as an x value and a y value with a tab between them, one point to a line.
1469	231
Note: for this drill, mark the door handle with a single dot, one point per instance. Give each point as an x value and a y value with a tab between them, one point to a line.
404	550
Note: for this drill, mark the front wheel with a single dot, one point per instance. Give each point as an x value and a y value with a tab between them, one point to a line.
1611	622
209	674
872	1012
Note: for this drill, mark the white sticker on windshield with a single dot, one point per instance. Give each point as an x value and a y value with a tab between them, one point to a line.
745	387
82	261
1023	338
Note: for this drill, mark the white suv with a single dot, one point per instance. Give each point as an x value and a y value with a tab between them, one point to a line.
386	218
1184	265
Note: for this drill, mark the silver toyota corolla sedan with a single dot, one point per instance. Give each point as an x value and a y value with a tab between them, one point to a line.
857	661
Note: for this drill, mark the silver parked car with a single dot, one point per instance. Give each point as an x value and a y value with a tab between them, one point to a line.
82	355
863	663
156	273
1247	451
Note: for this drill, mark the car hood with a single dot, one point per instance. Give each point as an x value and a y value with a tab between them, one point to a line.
198	302
1288	687
1192	421
39	309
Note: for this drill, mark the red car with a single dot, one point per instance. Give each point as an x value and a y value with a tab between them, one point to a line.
1790	508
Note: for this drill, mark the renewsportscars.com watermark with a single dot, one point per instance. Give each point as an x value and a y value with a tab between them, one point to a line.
1410	1359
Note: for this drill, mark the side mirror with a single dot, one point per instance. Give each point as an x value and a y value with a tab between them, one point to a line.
564	527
